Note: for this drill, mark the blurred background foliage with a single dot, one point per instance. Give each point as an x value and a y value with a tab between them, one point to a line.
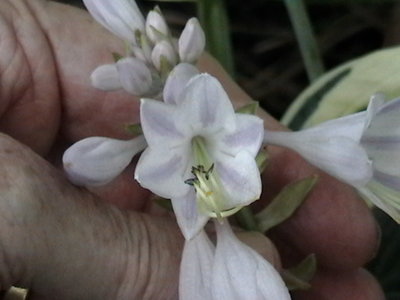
266	62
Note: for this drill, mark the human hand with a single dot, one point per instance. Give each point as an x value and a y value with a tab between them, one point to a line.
66	243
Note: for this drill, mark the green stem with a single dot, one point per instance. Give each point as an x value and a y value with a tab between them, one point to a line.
246	219
214	19
305	38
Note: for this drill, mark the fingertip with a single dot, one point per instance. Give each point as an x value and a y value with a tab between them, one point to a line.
332	285
334	223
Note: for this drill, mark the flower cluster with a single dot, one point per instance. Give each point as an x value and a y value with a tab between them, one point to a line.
198	151
152	51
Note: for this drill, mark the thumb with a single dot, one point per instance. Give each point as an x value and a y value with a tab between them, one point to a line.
62	242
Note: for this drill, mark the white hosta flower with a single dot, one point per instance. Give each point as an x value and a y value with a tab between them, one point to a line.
192	41
98	160
231	271
198	143
121	17
163	50
135	77
362	150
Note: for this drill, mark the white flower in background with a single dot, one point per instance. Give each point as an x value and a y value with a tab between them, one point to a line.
362	150
152	51
98	160
200	154
229	271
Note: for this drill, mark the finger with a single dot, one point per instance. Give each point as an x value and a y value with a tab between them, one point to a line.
334	223
63	243
333	285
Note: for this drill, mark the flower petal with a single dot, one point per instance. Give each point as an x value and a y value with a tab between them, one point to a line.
98	160
206	106
241	273
158	121
135	76
163	50
189	219
240	178
156	27
121	17
247	136
196	268
176	82
106	78
162	172
339	156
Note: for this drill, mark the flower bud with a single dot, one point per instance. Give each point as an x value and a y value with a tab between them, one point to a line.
156	27
191	42
134	75
121	17
164	50
106	78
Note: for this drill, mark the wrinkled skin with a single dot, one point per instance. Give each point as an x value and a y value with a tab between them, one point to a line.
65	242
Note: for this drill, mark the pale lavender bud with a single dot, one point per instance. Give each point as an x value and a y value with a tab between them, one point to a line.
98	160
106	78
156	27
191	42
121	17
134	75
164	50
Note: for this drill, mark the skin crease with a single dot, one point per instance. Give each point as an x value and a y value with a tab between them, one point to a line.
66	243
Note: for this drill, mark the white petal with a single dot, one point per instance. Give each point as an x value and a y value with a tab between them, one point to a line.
248	136
189	219
176	82
240	273
196	269
106	78
156	27
122	17
98	160
206	106
375	103
135	76
191	42
339	156
163	172
163	50
240	178
158	122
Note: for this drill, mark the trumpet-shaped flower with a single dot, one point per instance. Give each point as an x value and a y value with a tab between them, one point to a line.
200	154
230	271
152	53
362	150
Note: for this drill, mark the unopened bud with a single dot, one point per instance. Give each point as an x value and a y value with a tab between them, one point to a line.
156	27
106	78
135	76
191	42
164	50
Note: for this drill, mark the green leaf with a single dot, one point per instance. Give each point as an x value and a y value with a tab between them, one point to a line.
298	277
249	109
285	204
134	129
346	89
116	56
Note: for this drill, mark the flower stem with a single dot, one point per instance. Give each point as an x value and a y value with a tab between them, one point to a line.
246	219
214	20
305	38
